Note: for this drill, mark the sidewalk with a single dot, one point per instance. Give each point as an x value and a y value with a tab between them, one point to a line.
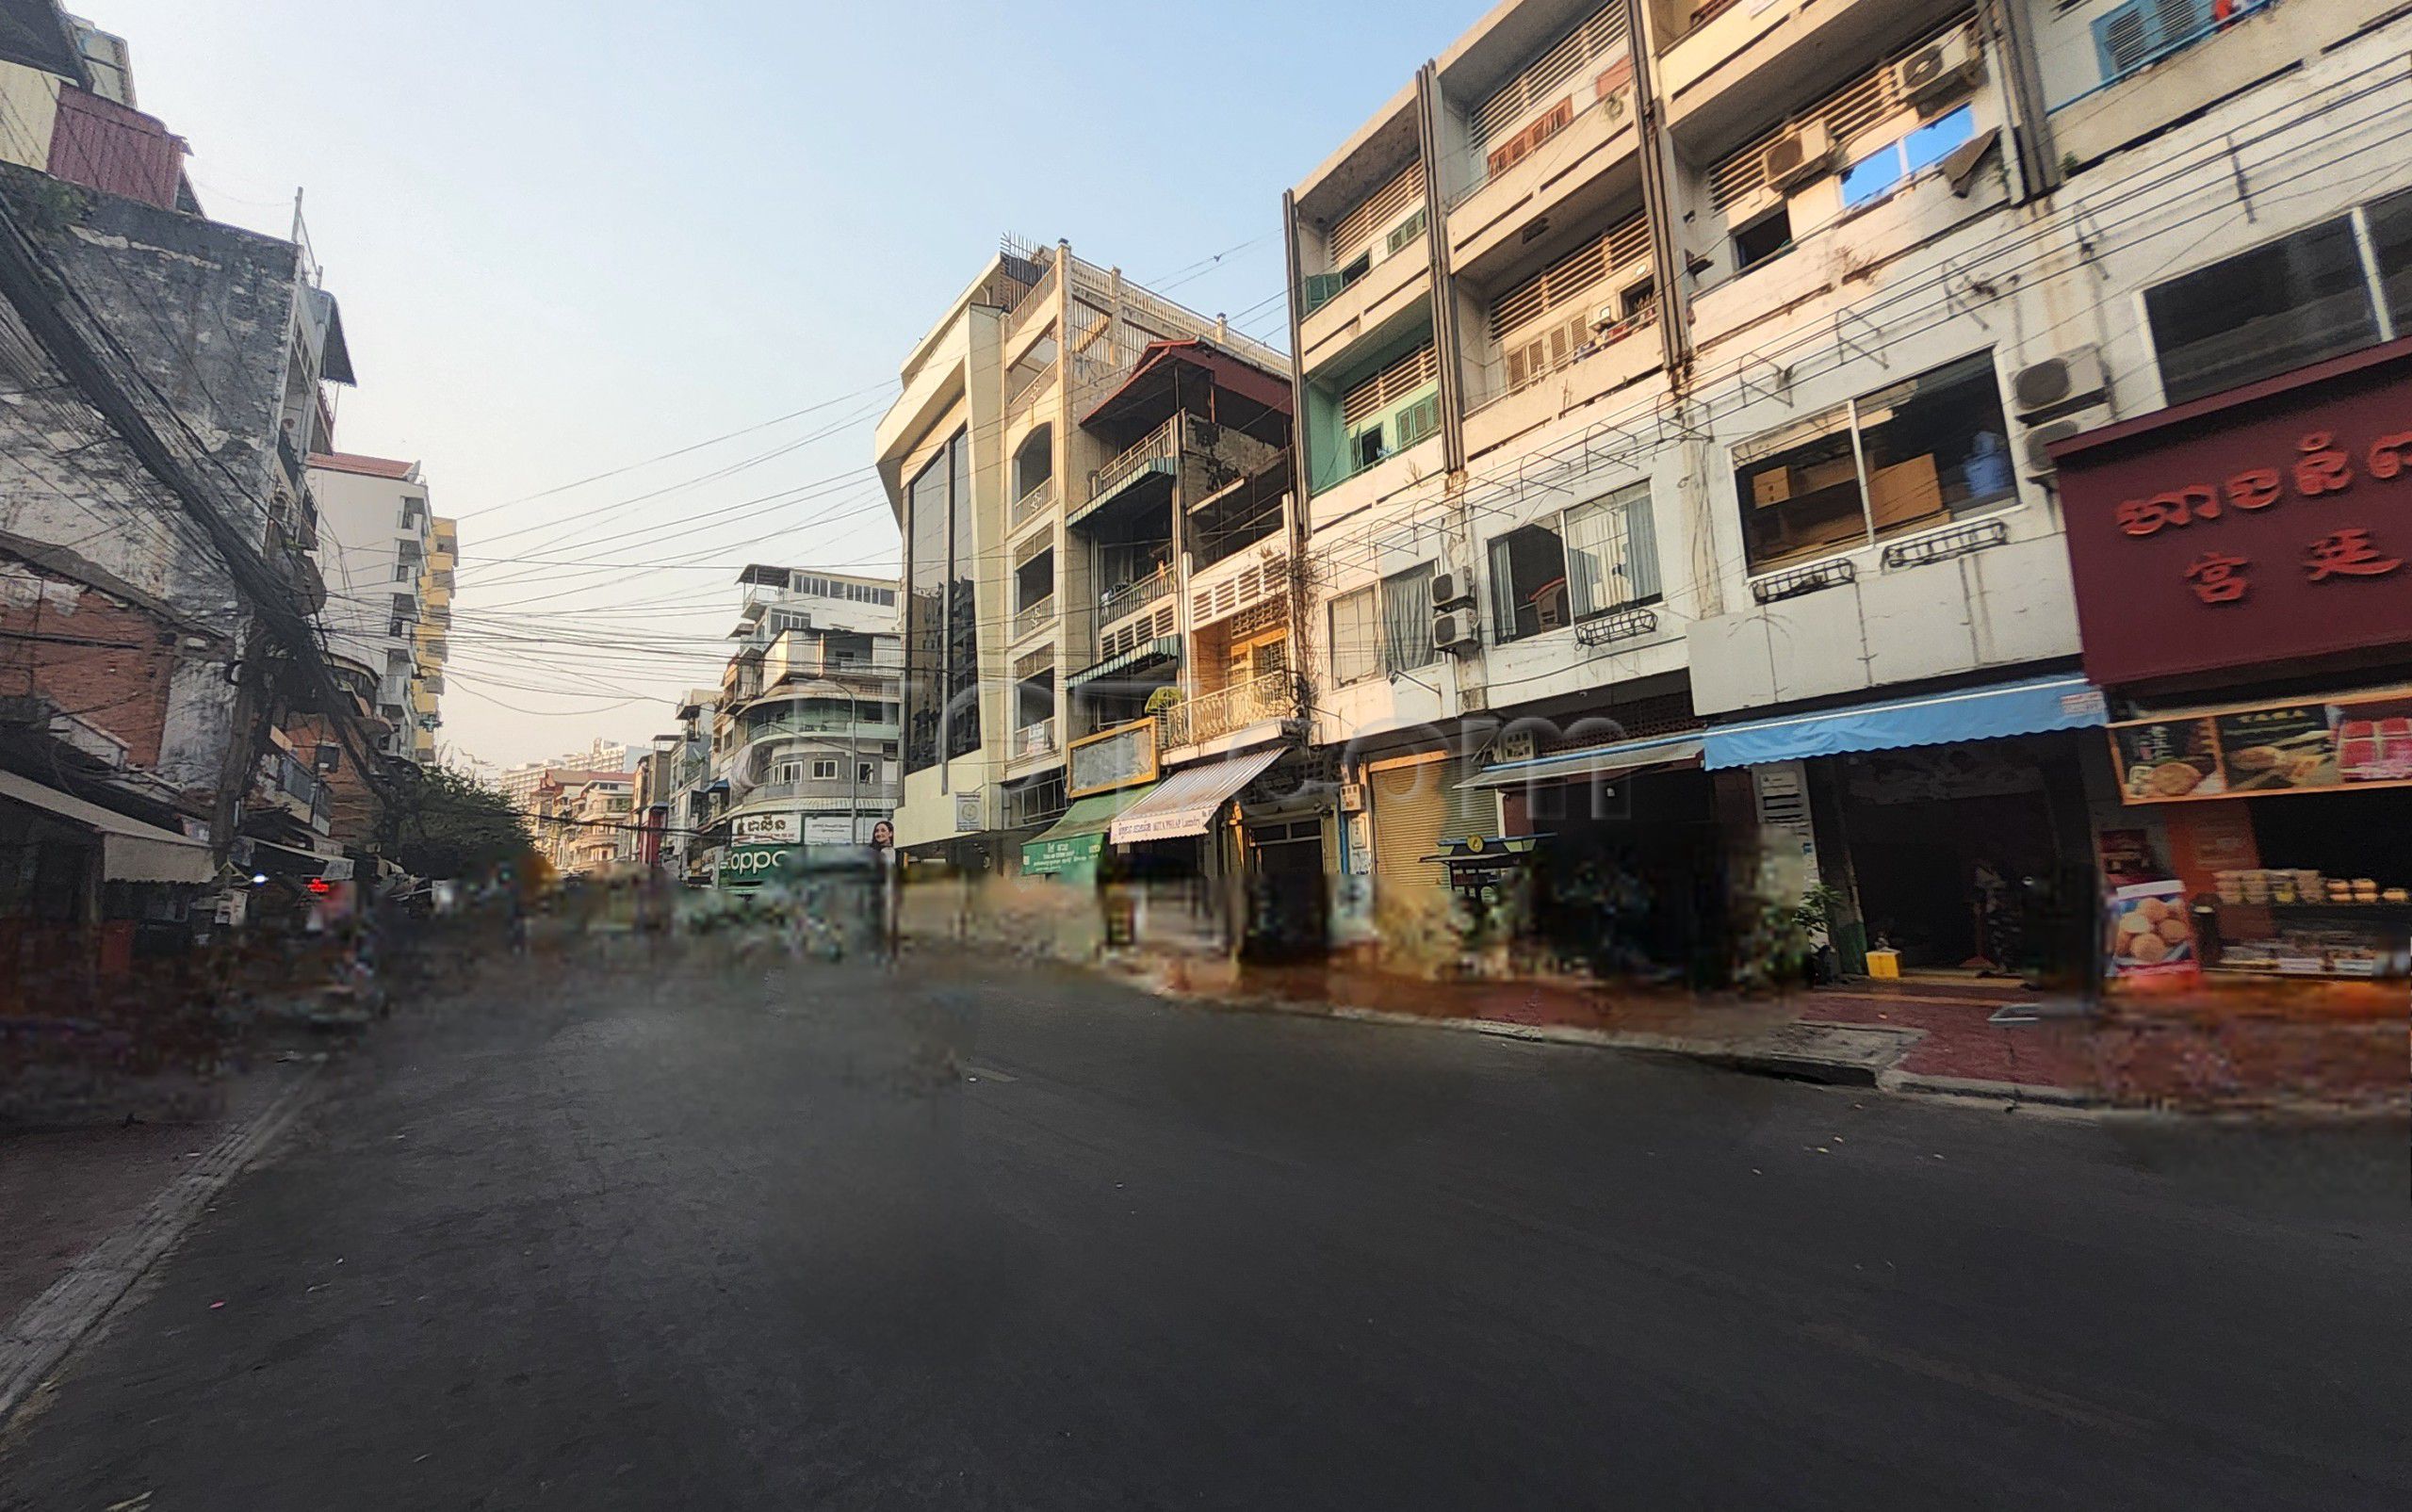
2243	1048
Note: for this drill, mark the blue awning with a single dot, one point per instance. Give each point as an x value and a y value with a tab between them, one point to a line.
2033	707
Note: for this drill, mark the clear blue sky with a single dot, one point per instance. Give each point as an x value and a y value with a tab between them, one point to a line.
572	235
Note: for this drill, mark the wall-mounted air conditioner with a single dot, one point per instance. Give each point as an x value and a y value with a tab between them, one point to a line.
1451	586
1944	67
2071	381
2035	447
1800	155
1457	630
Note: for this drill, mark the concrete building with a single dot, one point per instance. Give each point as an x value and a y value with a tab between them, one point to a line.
377	543
805	728
1700	361
519	783
1056	489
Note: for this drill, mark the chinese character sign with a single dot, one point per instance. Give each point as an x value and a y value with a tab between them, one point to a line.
2237	533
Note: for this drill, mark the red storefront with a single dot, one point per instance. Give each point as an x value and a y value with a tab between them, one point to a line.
2244	570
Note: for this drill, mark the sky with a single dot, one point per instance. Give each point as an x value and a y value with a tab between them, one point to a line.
571	239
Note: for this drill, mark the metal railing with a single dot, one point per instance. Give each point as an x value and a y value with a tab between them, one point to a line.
1131	597
1160	445
1036	499
1272	696
1033	618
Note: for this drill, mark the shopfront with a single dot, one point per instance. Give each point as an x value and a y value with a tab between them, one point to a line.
1625	873
2243	567
1950	828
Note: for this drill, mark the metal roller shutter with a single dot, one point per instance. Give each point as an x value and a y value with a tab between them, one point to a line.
1410	806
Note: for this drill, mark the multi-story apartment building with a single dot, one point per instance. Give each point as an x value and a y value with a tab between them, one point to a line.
1676	381
1093	486
431	650
584	820
805	728
519	784
385	612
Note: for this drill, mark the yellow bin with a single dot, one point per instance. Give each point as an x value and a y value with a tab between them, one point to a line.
1885	966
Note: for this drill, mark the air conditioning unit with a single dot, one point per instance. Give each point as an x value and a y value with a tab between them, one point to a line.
1944	67
1457	630
1451	586
1803	153
2035	447
2071	381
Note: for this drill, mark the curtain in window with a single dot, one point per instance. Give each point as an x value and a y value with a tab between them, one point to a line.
1611	552
1503	592
1406	620
1356	644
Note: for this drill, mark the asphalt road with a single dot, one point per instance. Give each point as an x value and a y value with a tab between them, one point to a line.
732	1235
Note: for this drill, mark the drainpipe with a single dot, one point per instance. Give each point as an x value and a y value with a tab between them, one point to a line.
1656	152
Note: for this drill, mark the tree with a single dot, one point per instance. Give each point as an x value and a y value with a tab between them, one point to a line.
440	823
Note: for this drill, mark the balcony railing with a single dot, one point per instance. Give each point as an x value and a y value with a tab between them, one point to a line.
1036	499
1131	597
1159	447
1036	740
1033	618
1209	716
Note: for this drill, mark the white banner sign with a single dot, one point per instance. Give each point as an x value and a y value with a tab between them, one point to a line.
827	829
764	828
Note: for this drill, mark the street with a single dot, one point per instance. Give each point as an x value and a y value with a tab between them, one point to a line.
706	1232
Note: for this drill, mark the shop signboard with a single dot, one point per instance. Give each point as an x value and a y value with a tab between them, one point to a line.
2352	743
1052	854
750	866
2268	523
2150	932
1123	757
765	829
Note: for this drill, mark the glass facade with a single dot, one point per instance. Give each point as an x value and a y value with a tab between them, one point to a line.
941	611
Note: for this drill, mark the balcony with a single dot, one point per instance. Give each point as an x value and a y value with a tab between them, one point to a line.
1131	597
1727	70
1212	716
1034	740
1032	618
1157	454
1032	504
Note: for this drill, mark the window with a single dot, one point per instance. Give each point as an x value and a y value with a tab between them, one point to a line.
1878	173
1369	446
2142	32
824	769
787	771
404	572
867	772
2390	222
1406	620
1403	235
2292	302
941	630
1929	449
1356	639
1767	236
1594	558
1611	553
1529	581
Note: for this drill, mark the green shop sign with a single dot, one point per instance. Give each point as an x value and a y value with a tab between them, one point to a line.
750	866
1062	853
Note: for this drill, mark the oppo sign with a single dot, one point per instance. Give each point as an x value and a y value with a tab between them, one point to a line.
747	864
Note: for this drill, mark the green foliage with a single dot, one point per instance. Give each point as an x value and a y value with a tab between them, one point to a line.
443	824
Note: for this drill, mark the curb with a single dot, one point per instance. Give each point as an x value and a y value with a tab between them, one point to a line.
1912	1083
41	1335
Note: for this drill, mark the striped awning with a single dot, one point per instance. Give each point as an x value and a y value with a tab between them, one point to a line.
1184	803
1162	648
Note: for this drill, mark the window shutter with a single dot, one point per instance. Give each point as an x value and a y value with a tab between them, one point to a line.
2124	39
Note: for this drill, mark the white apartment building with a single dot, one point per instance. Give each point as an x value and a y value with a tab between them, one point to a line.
1084	473
388	564
1675	383
805	730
